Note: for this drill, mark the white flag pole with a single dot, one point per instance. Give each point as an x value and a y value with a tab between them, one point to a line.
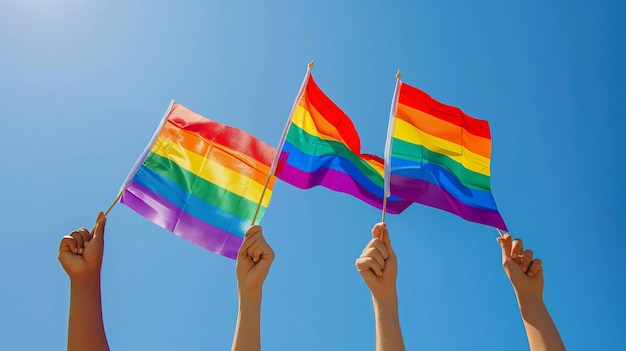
388	144
279	149
138	163
500	232
390	129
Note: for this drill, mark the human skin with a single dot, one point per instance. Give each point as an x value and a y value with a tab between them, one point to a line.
378	266
526	275
254	260
80	254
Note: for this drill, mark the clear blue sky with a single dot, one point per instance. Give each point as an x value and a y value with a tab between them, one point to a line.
83	85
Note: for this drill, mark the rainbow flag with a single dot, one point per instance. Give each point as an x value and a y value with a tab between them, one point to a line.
200	180
322	147
440	157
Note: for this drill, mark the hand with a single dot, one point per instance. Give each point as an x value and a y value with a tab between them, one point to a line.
526	275
80	252
254	259
524	272
378	264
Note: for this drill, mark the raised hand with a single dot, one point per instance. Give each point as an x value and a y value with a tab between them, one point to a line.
378	264
524	271
526	275
254	259
80	252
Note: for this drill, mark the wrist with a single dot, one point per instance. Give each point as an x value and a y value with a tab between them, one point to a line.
88	281
386	298
250	297
249	306
529	304
386	312
386	302
528	298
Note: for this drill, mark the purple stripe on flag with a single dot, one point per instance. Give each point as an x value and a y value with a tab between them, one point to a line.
432	195
159	210
338	181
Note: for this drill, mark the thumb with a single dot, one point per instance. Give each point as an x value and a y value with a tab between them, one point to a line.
249	238
506	244
98	231
378	230
253	230
386	239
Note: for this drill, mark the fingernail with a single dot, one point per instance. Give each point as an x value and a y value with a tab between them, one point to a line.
80	251
75	250
531	274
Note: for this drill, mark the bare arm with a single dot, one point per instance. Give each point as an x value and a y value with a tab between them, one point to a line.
378	266
253	263
80	254
526	276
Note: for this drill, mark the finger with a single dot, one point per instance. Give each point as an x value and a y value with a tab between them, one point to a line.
382	248
517	249
68	243
86	236
254	251
375	254
249	239
526	260
244	250
535	268
256	233
505	245
79	241
377	230
386	240
253	230
263	252
101	221
378	245
364	264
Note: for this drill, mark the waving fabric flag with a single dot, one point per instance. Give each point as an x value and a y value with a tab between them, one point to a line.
322	147
440	157
200	180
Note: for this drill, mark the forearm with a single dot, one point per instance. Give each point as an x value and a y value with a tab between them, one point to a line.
540	329
85	325
388	333
248	330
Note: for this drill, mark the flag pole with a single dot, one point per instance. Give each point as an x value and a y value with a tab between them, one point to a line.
117	199
500	232
384	208
390	128
283	137
146	151
139	162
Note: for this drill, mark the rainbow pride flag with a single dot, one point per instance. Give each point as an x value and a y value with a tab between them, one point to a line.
440	157
322	147
201	180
